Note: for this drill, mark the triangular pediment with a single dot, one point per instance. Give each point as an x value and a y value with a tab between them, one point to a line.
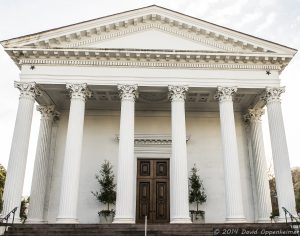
152	39
150	27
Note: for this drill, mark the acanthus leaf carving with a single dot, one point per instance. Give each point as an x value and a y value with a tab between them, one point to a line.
128	92
177	93
254	115
272	94
79	91
225	93
28	90
48	112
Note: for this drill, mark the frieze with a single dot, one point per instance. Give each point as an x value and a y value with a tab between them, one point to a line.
146	64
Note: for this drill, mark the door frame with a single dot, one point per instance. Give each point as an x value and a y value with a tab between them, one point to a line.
157	150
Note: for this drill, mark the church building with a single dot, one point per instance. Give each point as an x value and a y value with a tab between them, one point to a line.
154	92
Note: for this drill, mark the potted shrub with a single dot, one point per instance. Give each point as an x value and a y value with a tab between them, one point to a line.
107	192
196	195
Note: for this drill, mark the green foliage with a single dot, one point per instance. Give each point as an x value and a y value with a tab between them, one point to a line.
107	192
23	208
296	182
298	201
2	182
273	194
196	189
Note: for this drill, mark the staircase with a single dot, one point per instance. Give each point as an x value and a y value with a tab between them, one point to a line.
138	229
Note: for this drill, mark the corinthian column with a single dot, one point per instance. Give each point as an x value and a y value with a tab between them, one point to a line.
40	172
179	197
19	147
233	190
264	206
71	169
283	176
125	210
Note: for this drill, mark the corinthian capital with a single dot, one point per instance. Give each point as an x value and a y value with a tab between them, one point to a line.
28	90
79	91
128	92
47	112
254	115
225	93
177	93
272	94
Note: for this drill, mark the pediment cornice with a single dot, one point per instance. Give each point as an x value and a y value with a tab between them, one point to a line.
105	28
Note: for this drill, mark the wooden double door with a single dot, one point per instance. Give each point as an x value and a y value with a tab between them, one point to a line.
153	194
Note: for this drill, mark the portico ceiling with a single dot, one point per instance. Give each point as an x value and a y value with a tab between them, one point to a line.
150	98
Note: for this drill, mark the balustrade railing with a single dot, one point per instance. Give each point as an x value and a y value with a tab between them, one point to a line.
5	220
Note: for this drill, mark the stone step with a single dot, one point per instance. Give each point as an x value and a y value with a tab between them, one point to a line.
136	229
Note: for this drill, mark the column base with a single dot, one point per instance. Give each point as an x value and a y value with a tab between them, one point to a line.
181	221
66	221
119	220
36	221
236	220
264	220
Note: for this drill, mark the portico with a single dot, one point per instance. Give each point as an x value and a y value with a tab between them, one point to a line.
190	104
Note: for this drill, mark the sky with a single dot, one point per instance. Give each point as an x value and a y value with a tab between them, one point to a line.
275	20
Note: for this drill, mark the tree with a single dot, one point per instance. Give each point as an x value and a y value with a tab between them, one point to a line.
296	183
2	182
107	192
274	200
23	208
197	192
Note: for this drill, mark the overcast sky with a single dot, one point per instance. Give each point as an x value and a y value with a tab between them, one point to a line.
275	20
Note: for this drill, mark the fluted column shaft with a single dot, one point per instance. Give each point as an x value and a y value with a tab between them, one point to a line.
40	172
19	147
71	169
264	206
283	176
125	210
233	190
179	198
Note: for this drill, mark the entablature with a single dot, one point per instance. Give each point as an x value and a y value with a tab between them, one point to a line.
150	58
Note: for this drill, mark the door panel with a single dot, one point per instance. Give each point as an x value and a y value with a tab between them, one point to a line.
153	191
144	195
161	201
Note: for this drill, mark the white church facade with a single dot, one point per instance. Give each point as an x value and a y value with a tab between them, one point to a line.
154	92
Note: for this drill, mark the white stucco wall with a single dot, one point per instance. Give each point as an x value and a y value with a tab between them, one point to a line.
99	144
